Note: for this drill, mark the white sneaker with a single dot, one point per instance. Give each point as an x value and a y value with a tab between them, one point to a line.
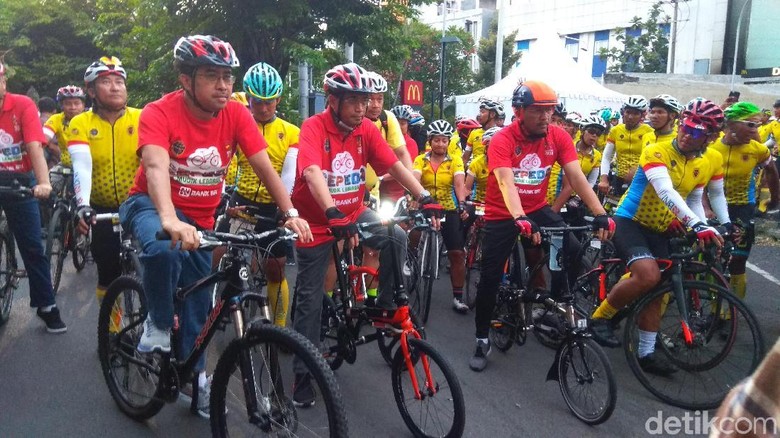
204	397
459	305
154	339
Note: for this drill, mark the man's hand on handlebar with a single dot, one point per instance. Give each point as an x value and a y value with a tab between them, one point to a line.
42	191
87	218
181	232
301	228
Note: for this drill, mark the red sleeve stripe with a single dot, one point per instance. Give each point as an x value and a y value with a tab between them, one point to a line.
649	166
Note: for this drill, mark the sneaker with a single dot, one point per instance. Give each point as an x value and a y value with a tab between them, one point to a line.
204	398
52	320
154	339
479	361
657	364
303	391
459	305
665	341
603	333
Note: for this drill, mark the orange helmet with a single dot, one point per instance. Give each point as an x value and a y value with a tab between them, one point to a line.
534	93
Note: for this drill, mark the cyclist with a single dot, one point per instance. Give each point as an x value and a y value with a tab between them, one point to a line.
185	141
606	115
519	161
490	112
443	175
102	144
559	114
624	145
337	144
589	158
477	173
465	126
390	189
21	143
664	195
743	156
72	100
662	117
417	130
263	87
572	125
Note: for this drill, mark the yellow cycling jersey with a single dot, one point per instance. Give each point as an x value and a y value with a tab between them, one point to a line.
601	142
651	137
773	129
57	127
231	176
740	163
394	137
475	142
478	169
588	162
642	204
113	149
628	146
280	136
441	181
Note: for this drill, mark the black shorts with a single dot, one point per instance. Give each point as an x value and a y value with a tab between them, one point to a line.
635	242
268	211
742	215
451	231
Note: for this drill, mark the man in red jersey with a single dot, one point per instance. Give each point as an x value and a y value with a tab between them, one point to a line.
21	157
186	140
335	147
520	158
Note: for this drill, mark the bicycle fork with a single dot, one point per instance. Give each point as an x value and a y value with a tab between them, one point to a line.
429	383
681	304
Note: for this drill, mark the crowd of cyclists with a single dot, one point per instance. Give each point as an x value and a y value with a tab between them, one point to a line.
674	166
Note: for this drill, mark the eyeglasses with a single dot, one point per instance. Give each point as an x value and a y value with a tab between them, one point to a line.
694	133
212	77
749	124
356	100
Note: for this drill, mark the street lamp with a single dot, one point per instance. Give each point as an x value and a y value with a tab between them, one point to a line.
736	45
444	41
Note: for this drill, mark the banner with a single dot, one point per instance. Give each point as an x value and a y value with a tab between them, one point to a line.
412	93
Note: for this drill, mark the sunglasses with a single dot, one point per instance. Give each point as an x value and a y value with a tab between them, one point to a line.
749	124
596	132
694	133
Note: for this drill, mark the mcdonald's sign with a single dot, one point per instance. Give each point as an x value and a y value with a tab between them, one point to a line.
412	93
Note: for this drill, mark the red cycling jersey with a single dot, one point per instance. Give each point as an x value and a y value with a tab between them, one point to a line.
19	125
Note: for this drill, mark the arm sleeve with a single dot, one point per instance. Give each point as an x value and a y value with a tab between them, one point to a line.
81	157
593	176
718	201
694	202
770	143
606	157
659	178
289	168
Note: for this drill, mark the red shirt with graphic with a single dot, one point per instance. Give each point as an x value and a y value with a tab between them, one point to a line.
343	162
530	160
200	151
19	125
392	189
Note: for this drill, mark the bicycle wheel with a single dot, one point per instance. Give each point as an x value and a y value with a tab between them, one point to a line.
420	301
440	410
472	268
252	390
586	380
80	250
7	276
726	344
132	378
504	324
330	334
55	249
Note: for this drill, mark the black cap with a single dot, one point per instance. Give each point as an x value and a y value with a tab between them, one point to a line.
777	104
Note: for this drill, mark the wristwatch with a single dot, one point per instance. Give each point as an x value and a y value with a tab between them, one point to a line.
291	213
423	194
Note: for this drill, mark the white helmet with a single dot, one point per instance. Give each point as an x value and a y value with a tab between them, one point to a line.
635	101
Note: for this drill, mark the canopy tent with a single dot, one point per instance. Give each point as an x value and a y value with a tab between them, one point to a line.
547	60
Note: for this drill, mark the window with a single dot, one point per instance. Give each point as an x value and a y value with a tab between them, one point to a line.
601	41
573	45
522	47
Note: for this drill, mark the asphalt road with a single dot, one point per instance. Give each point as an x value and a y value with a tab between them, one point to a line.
52	386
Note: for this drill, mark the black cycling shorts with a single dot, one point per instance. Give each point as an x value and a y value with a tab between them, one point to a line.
270	211
635	242
451	231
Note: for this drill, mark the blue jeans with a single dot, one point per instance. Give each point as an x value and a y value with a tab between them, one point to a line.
165	269
24	221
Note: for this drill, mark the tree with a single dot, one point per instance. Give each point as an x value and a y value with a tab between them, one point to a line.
487	56
645	53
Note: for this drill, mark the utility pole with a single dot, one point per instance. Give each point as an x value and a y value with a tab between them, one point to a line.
499	42
673	38
303	87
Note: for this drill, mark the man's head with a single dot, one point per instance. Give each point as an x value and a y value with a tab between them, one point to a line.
490	111
664	110
105	81
205	65
348	87
633	110
376	102
776	108
465	126
700	124
533	103
439	135
263	87
404	114
72	100
592	127
572	123
742	122
559	115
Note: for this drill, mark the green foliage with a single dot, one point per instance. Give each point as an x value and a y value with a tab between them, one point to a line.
646	53
487	56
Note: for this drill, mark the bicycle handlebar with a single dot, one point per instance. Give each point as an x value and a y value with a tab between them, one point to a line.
17	190
213	239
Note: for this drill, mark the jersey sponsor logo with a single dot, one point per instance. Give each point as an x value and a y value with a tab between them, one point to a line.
93	132
696	173
203	167
745	157
187	192
130	130
326	146
657	154
177	148
344	178
518	150
10	152
530	171
281	136
74	131
673	163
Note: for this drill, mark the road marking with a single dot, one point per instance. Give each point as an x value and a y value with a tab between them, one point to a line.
763	273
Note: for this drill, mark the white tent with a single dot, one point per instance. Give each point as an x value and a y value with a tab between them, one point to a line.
547	60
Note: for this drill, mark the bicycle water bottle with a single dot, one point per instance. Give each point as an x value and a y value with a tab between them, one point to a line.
556	243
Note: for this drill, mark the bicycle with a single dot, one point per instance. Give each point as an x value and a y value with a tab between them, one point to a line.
62	237
473	255
10	274
428	259
128	249
580	363
706	332
251	387
422	379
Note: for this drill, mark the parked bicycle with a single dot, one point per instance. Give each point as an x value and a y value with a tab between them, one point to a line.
251	392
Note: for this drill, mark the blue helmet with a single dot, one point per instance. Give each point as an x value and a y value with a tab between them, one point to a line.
262	81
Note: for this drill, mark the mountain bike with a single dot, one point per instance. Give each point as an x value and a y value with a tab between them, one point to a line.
62	236
581	367
10	274
251	392
426	389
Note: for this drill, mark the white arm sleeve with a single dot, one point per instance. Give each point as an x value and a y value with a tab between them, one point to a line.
82	172
694	202
718	201
606	157
662	183
289	168
771	142
593	176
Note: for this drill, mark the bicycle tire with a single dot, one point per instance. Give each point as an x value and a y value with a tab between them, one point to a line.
503	327
427	291
449	393
718	358
474	246
227	392
7	273
570	362
127	296
330	342
80	251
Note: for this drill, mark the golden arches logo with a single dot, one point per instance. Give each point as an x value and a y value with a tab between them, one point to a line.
413	93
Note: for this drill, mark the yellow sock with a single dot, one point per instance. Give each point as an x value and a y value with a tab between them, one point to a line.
371	292
763	199
665	303
604	311
279	300
100	292
116	312
739	285
329	293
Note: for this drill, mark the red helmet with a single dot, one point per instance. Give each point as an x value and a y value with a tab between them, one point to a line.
347	78
69	91
198	50
465	126
703	113
106	65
